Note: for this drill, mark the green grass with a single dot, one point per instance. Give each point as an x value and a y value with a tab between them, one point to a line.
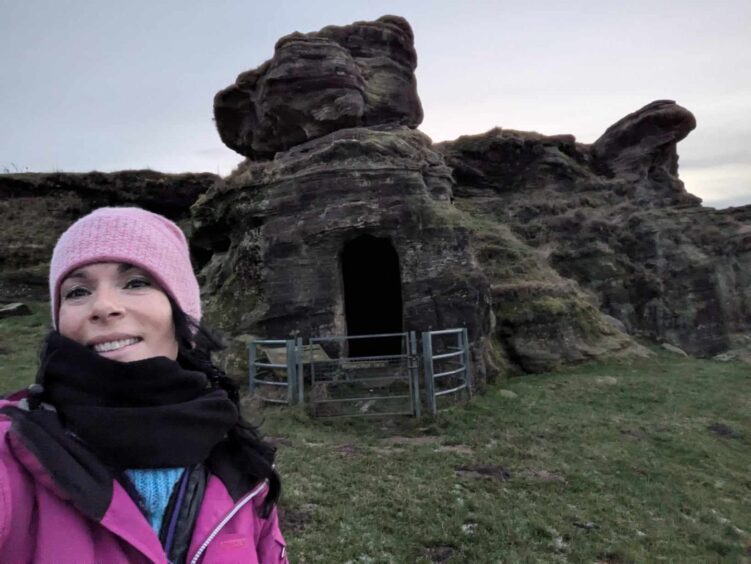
20	343
638	461
613	462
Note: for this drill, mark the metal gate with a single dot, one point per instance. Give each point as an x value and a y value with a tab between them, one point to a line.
340	385
446	364
279	380
346	386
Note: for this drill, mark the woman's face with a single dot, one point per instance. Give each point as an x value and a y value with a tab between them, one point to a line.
118	311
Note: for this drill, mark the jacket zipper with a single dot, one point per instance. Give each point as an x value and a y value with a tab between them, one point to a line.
238	506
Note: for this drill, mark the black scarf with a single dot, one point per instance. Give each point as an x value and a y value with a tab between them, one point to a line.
144	414
112	416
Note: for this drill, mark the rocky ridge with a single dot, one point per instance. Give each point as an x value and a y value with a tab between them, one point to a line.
35	208
615	217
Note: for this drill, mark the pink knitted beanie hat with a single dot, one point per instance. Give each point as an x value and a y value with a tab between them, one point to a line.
134	236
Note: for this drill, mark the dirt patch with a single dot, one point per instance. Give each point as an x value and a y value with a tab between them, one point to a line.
293	520
483	471
439	553
722	430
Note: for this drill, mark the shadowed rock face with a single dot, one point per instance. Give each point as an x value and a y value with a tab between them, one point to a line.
316	83
615	217
35	208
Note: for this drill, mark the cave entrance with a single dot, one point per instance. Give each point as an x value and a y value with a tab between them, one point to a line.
372	295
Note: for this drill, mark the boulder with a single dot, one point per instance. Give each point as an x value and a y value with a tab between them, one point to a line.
643	143
316	83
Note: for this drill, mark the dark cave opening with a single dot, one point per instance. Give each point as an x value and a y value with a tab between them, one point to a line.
372	295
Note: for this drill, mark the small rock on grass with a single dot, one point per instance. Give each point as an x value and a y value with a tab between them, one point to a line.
14	309
674	349
607	380
508	394
725	357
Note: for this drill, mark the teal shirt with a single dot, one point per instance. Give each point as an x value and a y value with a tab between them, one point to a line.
155	485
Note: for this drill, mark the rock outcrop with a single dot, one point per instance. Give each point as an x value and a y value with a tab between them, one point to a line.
643	144
316	83
35	208
336	110
615	217
273	238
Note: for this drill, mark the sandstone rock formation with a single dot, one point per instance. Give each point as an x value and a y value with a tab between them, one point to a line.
335	110
316	83
615	217
35	208
274	238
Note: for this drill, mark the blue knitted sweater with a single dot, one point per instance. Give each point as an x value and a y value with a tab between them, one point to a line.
155	487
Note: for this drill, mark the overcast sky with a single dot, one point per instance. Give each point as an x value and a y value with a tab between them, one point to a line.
111	85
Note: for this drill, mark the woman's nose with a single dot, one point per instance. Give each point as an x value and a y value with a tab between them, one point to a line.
106	305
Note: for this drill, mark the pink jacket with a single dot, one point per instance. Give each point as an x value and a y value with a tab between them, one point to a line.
38	524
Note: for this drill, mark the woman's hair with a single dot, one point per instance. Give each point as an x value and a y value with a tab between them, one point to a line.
195	345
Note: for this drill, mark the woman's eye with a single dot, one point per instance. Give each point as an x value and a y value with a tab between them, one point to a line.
137	283
74	293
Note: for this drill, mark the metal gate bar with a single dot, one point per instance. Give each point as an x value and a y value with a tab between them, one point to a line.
404	367
290	367
460	351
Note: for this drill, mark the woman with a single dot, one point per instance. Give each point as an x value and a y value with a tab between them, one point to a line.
130	447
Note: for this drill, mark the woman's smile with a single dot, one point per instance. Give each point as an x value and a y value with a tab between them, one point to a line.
114	344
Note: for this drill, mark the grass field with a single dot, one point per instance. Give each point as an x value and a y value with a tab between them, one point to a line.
640	461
